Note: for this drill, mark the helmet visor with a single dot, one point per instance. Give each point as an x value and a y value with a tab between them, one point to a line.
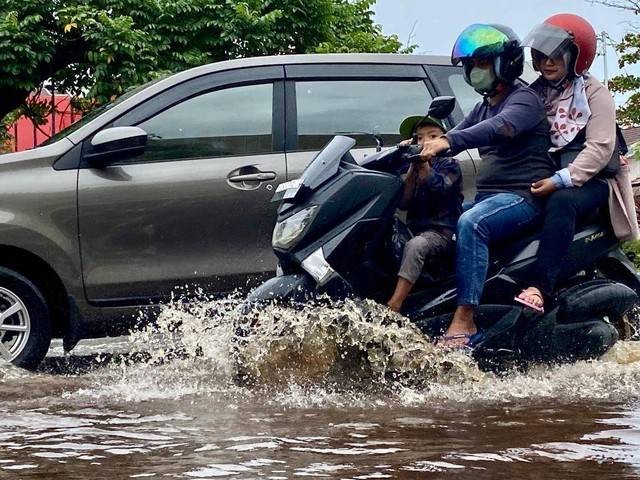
547	39
478	41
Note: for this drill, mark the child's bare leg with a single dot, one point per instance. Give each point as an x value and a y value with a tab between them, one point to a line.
416	250
403	288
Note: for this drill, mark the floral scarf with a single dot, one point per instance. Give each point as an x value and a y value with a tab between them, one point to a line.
567	110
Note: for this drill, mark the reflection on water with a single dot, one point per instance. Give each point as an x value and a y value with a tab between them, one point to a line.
346	392
206	441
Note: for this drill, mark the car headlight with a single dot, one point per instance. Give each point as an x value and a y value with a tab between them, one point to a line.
287	232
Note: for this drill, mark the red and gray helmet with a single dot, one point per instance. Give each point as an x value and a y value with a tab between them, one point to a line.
565	33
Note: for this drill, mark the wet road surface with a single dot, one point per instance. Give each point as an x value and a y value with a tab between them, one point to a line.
97	415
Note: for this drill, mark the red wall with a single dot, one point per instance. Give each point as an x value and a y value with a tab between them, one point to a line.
26	135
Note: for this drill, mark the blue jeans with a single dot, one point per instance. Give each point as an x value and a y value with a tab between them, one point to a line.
492	218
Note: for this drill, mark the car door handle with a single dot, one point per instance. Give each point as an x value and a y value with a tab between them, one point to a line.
253	177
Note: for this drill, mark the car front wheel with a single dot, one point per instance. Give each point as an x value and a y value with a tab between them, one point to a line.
25	328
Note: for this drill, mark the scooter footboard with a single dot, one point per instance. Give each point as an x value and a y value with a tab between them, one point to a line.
500	323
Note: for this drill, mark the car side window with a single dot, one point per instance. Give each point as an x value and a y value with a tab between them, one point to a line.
466	96
229	122
357	108
451	79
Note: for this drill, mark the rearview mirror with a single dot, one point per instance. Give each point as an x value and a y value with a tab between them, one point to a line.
115	143
441	107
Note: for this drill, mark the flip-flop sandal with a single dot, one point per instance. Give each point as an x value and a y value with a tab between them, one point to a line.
532	306
472	340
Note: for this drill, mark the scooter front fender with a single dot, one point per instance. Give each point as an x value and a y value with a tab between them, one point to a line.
298	287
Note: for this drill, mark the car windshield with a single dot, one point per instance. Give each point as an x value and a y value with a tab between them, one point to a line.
98	111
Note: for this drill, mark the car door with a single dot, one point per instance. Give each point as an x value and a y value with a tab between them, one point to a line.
194	209
357	100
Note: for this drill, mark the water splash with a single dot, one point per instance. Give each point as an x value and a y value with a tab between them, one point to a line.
357	340
354	353
354	348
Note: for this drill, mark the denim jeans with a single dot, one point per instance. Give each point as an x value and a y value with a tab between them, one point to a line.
492	218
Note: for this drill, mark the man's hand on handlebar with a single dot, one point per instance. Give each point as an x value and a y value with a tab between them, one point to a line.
433	148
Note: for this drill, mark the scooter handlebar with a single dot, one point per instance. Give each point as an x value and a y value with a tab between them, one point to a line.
410	153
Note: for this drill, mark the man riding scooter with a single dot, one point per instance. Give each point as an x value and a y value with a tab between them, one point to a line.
510	130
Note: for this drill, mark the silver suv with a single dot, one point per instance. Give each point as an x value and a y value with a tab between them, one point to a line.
170	185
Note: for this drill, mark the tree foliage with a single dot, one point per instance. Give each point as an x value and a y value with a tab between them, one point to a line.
100	48
629	54
629	49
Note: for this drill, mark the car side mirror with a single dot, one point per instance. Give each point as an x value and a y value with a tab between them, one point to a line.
115	143
441	107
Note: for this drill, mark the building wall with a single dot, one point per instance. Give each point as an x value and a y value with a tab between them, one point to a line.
27	135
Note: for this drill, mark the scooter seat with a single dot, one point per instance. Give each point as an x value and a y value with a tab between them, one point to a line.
441	271
509	249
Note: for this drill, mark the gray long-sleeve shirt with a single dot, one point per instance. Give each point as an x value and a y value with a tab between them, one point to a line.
513	140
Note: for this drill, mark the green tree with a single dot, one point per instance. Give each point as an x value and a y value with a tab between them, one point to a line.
100	48
629	54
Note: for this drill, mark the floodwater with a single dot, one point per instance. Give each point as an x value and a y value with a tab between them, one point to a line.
342	392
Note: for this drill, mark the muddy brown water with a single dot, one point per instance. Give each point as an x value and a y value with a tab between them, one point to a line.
101	414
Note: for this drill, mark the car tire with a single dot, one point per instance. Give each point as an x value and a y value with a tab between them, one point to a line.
25	326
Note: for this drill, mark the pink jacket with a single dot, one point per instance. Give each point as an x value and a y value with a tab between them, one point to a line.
622	208
600	143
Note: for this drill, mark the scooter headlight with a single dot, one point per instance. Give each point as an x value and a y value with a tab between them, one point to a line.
288	232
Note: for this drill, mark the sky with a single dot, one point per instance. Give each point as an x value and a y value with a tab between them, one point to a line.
434	25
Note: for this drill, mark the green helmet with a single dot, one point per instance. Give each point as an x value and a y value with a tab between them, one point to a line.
410	124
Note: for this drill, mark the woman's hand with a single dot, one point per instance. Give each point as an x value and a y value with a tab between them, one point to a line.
543	188
434	147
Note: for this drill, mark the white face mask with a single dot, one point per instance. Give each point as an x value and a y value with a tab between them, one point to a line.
482	79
